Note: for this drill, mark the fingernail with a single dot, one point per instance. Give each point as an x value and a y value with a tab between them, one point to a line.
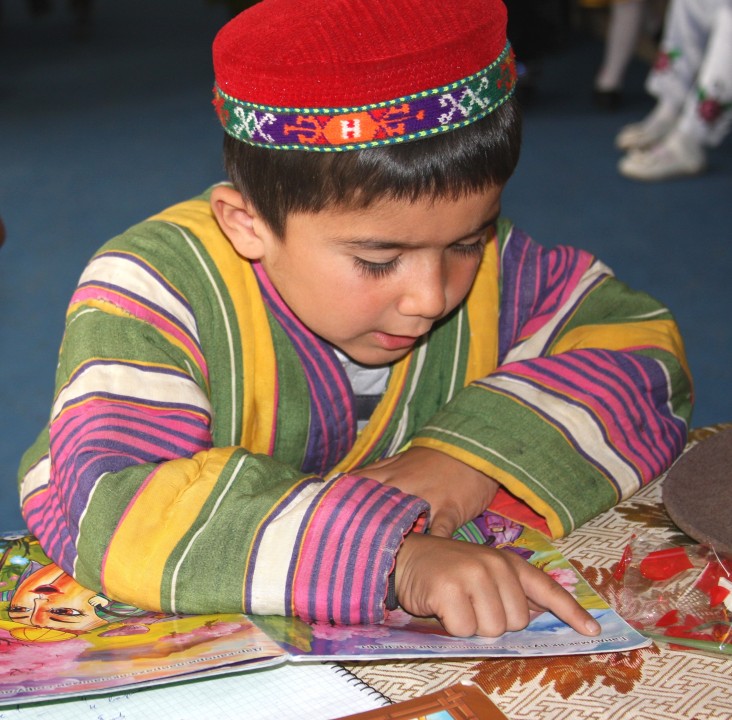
593	627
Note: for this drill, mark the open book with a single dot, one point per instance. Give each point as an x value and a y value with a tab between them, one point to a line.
58	639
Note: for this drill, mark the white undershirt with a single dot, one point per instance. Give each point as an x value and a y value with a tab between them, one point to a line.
364	379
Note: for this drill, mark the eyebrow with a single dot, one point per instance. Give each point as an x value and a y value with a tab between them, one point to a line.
381	244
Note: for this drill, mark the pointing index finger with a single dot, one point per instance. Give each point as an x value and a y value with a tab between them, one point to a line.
544	593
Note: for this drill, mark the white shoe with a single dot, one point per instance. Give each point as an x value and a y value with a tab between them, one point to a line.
675	156
649	131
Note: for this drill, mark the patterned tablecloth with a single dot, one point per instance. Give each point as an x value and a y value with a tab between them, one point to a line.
655	683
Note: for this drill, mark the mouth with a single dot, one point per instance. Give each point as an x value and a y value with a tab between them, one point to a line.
395	342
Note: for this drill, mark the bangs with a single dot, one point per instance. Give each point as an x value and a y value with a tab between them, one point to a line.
458	163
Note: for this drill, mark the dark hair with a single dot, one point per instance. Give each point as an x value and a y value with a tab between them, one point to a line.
450	165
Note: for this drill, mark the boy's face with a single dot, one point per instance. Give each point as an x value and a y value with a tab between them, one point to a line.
373	281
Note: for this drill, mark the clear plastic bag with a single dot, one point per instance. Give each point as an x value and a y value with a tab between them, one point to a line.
677	594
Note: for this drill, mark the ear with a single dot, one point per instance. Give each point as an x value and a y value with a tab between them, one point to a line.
239	221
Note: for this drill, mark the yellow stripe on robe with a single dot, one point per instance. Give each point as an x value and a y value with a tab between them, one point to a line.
661	334
160	514
258	393
483	303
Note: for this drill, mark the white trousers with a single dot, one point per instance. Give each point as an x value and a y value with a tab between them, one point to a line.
693	71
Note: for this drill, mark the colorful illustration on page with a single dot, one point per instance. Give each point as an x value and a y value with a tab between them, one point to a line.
57	636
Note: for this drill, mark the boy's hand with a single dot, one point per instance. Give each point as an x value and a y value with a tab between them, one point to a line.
455	491
476	590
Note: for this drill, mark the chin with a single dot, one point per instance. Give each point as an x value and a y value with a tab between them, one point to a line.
379	357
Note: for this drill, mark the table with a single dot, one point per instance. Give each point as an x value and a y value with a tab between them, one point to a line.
655	683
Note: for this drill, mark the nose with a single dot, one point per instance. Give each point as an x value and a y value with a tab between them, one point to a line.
424	293
39	614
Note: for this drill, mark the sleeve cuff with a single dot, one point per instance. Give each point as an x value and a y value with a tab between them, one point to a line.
346	553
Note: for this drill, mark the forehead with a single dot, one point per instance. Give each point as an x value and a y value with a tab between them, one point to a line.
51	575
444	219
45	575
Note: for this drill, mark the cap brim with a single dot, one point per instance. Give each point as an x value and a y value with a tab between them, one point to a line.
697	492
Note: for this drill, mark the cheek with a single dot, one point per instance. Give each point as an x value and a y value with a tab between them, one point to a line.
361	307
460	280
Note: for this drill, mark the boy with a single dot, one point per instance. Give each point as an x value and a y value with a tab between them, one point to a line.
277	385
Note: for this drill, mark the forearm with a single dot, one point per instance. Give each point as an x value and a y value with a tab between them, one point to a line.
227	531
569	435
137	504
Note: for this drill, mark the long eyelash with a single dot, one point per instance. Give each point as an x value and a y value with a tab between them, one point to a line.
380	270
376	270
473	249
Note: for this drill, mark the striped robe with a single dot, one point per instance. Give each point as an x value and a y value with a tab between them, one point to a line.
202	453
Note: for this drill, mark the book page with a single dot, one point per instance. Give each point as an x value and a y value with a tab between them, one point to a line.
406	637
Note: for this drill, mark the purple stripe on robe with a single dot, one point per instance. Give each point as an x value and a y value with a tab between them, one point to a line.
332	429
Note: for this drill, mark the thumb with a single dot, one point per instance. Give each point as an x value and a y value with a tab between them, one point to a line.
443	525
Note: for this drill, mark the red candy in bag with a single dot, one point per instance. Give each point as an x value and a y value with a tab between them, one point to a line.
678	594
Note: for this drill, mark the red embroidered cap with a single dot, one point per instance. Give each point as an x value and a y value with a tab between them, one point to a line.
333	75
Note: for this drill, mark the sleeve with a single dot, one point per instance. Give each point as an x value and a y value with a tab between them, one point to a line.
127	492
591	398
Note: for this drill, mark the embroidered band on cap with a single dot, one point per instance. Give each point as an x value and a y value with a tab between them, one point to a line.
412	117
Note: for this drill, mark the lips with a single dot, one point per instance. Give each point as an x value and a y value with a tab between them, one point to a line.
395	342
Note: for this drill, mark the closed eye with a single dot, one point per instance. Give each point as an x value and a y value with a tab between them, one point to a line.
368	268
474	248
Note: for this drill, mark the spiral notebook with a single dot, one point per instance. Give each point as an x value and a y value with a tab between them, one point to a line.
317	691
